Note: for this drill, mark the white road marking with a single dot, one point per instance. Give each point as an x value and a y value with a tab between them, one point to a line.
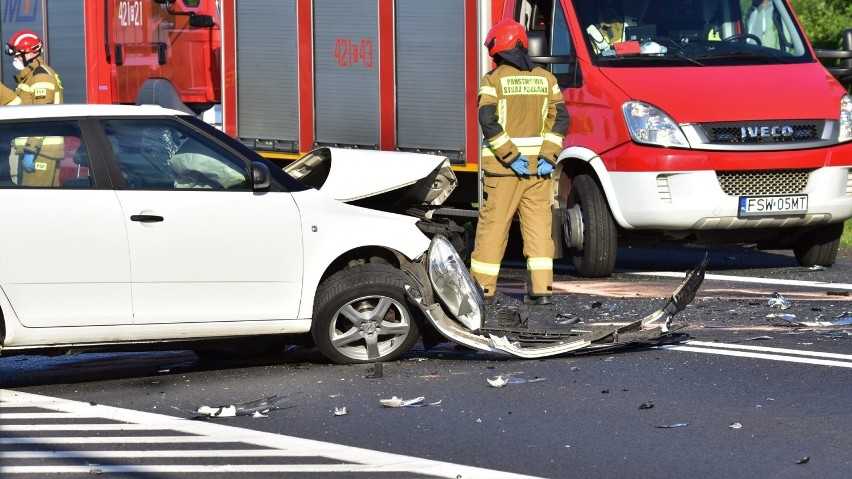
355	460
759	352
749	279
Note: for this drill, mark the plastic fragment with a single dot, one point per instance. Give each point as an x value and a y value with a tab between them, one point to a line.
497	382
671	426
340	411
778	301
259	414
804	460
646	405
416	402
736	425
500	381
248	408
221	411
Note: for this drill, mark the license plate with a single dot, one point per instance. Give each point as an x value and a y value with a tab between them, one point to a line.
790	205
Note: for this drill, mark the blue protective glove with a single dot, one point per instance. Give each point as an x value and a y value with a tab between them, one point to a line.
544	167
520	165
28	162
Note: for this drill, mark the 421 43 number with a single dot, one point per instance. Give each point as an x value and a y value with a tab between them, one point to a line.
350	52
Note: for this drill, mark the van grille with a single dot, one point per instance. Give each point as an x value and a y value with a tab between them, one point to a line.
764	182
749	132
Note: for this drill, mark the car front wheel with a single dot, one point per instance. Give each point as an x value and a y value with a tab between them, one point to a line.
360	315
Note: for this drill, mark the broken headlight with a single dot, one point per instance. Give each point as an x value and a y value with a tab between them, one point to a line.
649	125
453	285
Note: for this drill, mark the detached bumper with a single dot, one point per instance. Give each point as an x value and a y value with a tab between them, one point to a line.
519	341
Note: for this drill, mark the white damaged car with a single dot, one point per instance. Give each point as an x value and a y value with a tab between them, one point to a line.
136	227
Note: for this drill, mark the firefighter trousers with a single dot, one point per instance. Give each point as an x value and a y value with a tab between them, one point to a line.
530	197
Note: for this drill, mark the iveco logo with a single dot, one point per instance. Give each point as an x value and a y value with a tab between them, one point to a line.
766	131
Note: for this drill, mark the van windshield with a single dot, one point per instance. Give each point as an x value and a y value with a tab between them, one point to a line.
691	32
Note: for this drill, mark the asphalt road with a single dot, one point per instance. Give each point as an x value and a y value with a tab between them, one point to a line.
751	395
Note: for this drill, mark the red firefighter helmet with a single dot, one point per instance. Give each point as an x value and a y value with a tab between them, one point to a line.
505	35
25	41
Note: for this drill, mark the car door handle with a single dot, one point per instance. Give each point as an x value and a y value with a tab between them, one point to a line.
146	218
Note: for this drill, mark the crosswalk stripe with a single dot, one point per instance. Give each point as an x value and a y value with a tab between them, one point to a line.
232	453
348	460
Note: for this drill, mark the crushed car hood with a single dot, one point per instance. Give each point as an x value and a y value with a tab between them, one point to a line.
349	175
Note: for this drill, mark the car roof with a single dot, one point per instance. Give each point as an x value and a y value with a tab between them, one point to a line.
70	110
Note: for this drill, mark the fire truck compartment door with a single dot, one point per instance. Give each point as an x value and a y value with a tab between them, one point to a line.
346	55
430	76
267	70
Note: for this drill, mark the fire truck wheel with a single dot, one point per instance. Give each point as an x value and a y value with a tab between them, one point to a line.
362	310
819	247
595	258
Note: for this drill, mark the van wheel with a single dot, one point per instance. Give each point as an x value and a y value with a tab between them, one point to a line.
590	232
361	310
819	247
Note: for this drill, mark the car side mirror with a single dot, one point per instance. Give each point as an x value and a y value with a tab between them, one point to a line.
260	176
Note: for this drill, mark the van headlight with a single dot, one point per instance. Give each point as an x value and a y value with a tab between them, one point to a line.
650	125
845	131
453	285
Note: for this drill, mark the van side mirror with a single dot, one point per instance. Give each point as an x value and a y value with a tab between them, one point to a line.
568	77
260	176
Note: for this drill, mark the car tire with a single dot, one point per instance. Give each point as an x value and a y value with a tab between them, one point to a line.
596	258
346	315
819	247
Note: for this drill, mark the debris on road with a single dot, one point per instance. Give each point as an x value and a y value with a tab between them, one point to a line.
843	320
671	426
340	411
804	460
399	402
256	408
500	381
646	405
778	301
736	425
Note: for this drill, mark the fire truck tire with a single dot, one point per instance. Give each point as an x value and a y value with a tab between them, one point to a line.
357	304
819	247
596	257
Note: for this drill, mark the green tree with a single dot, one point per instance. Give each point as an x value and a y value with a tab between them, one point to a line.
824	21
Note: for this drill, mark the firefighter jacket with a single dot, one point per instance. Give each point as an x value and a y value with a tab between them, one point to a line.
38	84
8	96
521	113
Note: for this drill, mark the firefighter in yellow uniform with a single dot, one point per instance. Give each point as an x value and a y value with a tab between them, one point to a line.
8	96
524	121
38	84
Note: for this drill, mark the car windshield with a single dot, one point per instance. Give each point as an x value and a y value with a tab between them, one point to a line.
691	32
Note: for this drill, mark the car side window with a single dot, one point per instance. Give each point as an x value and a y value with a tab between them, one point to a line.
165	154
43	155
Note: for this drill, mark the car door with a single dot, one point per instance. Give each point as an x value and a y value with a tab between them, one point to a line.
64	259
204	246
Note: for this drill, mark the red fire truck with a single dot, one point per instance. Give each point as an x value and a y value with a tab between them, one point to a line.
694	121
126	51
